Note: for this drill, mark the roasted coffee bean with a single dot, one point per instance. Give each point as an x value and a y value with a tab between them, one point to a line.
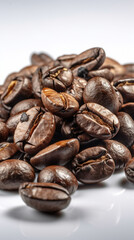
20	88
45	197
7	150
61	104
98	89
25	105
119	97
126	132
129	170
128	108
3	131
35	132
12	122
65	60
93	165
13	172
27	71
115	67
9	78
59	175
4	113
2	88
132	150
104	73
58	153
119	152
86	61
57	78
40	59
97	121
129	67
77	88
126	88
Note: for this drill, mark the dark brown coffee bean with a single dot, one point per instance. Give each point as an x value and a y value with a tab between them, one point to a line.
126	132
115	67
126	88
3	131
104	73
20	88
77	88
93	165
13	172
27	71
40	59
86	61
129	67
128	108
12	122
119	152
45	197
4	113
65	60
35	131
9	78
7	150
25	105
98	89
61	104
129	170
58	153
97	121
119	97
59	175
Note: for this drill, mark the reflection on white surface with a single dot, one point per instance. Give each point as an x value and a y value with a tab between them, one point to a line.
100	211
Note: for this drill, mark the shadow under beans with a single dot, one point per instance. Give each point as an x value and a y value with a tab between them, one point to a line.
92	186
23	213
117	171
126	184
4	193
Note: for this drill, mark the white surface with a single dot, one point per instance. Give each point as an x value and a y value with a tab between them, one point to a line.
103	212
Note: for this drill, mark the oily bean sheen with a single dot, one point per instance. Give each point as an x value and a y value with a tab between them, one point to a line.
19	88
98	89
61	104
126	132
25	105
128	108
35	130
129	170
119	152
45	197
126	88
93	165
59	153
97	121
59	175
7	150
86	61
13	172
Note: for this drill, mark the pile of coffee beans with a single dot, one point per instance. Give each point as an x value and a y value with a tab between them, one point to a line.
67	121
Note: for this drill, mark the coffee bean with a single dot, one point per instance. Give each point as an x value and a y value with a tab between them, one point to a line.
126	88
58	153
97	121
65	60
129	67
40	59
13	172
129	170
3	131
126	131
99	88
60	175
119	152
93	165
61	104
7	150
128	108
36	131
45	197
12	123
115	67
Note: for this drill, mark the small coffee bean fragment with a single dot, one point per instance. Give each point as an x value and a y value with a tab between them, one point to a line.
45	197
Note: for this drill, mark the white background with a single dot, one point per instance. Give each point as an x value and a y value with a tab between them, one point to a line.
101	212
